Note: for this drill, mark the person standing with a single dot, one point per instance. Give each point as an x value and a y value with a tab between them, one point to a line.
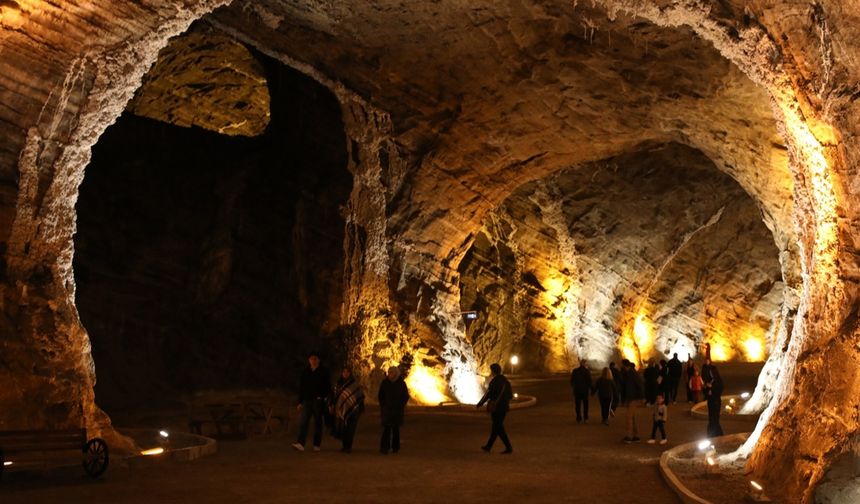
661	414
314	388
676	371
499	397
713	392
393	396
696	386
580	381
631	394
690	370
348	406
606	393
616	377
652	376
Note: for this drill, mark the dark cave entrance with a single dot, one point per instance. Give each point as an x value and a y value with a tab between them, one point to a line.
204	261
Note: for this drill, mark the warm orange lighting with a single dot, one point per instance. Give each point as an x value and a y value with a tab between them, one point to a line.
756	486
426	386
152	451
711	461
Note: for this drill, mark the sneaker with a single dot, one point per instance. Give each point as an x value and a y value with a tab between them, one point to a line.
485	448
508	451
664	441
316	448
651	441
298	447
627	440
635	440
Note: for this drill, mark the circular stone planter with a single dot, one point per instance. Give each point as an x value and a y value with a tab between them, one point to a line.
519	402
180	446
675	482
700	410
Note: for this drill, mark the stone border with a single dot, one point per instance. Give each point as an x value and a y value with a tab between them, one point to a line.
191	447
700	410
685	494
521	402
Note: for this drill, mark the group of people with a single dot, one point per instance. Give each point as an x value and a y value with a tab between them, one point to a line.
657	388
344	404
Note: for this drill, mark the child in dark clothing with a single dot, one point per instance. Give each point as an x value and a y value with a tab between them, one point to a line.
661	414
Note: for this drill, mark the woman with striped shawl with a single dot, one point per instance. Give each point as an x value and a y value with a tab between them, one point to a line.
348	406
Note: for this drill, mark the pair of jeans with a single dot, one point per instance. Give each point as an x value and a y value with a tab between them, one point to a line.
311	408
390	439
605	404
498	429
348	433
658	424
581	401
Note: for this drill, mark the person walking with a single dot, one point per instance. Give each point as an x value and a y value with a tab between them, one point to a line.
348	406
713	392
314	388
393	396
580	381
661	414
606	393
498	399
676	371
631	395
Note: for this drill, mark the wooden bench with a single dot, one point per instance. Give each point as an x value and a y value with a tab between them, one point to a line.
239	416
21	449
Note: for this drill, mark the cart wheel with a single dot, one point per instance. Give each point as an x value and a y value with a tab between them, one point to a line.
96	457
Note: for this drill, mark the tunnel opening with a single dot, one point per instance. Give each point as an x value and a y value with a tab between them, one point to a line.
205	260
639	256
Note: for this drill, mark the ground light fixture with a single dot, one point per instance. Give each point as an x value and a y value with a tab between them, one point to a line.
7	463
152	451
514	361
704	444
745	395
711	466
163	433
757	493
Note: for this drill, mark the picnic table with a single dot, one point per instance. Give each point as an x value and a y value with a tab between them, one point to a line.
236	417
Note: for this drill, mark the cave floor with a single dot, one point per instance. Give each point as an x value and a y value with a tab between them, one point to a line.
554	460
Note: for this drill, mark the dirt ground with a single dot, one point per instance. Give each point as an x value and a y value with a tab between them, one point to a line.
554	460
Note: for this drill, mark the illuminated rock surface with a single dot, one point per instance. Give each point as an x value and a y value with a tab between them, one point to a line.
447	110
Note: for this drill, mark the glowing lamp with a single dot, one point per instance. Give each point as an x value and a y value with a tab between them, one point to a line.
704	445
514	360
163	433
7	463
757	493
745	396
152	451
516	395
711	466
732	401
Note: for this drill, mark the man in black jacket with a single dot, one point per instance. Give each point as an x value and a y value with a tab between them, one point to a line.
580	381
499	394
314	387
676	370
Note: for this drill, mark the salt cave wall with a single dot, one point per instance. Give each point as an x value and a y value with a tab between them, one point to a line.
659	232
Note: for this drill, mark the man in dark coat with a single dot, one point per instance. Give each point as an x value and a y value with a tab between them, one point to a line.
580	381
393	396
314	388
499	394
676	371
652	373
616	377
631	396
714	393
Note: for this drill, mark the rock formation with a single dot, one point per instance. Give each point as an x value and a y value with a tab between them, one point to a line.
461	122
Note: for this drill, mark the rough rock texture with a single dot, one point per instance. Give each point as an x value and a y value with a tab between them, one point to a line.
449	107
192	246
207	80
659	232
